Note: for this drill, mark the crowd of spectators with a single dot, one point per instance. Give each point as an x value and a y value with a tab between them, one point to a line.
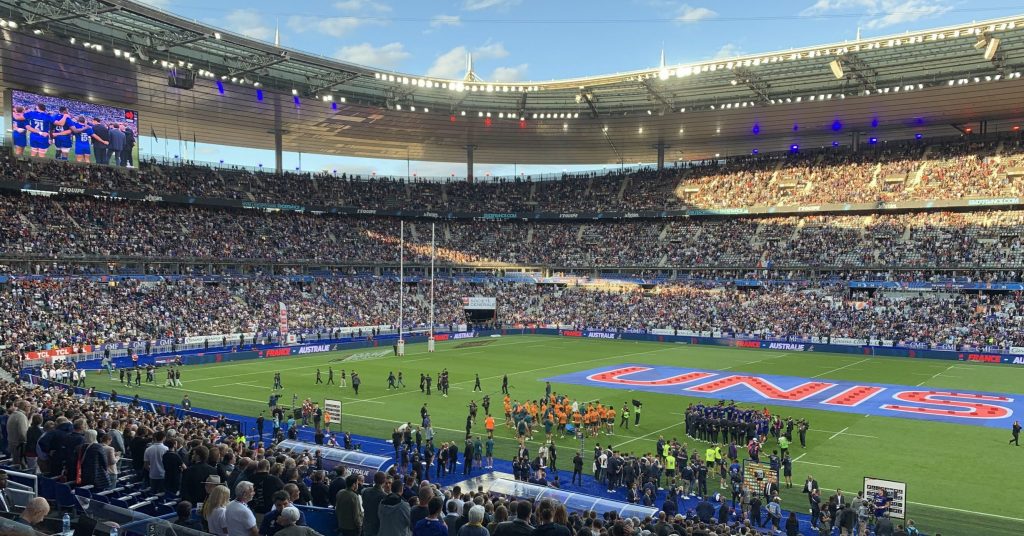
62	228
71	312
878	173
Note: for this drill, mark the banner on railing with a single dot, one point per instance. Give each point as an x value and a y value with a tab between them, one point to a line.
57	352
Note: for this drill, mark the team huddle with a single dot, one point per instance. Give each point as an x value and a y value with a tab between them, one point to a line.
37	129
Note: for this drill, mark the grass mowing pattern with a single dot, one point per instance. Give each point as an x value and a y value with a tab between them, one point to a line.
961	479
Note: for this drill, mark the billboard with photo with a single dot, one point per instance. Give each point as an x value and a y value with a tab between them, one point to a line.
56	128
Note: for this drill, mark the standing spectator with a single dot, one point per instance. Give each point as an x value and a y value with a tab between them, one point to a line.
393	513
546	517
520	526
349	508
173	468
238	518
430	525
214	509
288	522
154	461
371	501
17	432
792	525
475	525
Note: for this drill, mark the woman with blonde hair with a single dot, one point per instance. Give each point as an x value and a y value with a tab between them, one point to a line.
214	510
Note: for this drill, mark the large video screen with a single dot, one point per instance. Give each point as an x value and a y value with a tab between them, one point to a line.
56	128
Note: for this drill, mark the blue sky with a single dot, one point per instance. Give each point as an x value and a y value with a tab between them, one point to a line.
550	39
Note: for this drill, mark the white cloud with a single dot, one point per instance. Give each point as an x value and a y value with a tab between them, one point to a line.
248	22
728	50
362	5
880	13
476	5
332	26
445	20
908	11
694	14
452	64
509	74
490	51
389	55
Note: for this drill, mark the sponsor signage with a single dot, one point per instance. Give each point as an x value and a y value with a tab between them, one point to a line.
922	403
463	335
57	352
787	346
748	344
479	303
982	358
601	335
896	491
277	352
571	333
314	349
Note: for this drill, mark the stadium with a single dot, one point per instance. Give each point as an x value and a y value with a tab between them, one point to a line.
779	292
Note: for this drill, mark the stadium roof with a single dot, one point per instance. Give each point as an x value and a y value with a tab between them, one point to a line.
928	82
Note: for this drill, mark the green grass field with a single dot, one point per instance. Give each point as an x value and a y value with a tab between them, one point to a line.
961	479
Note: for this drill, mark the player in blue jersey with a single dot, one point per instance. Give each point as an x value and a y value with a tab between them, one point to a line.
39	125
19	130
62	133
84	134
882	503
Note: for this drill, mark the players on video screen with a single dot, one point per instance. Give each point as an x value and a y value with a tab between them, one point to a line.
93	133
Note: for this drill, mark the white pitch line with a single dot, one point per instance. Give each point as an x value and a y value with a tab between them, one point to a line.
838	433
841	433
841	368
821	464
937	374
798	457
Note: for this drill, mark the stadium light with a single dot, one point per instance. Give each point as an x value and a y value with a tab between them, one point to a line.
216	35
